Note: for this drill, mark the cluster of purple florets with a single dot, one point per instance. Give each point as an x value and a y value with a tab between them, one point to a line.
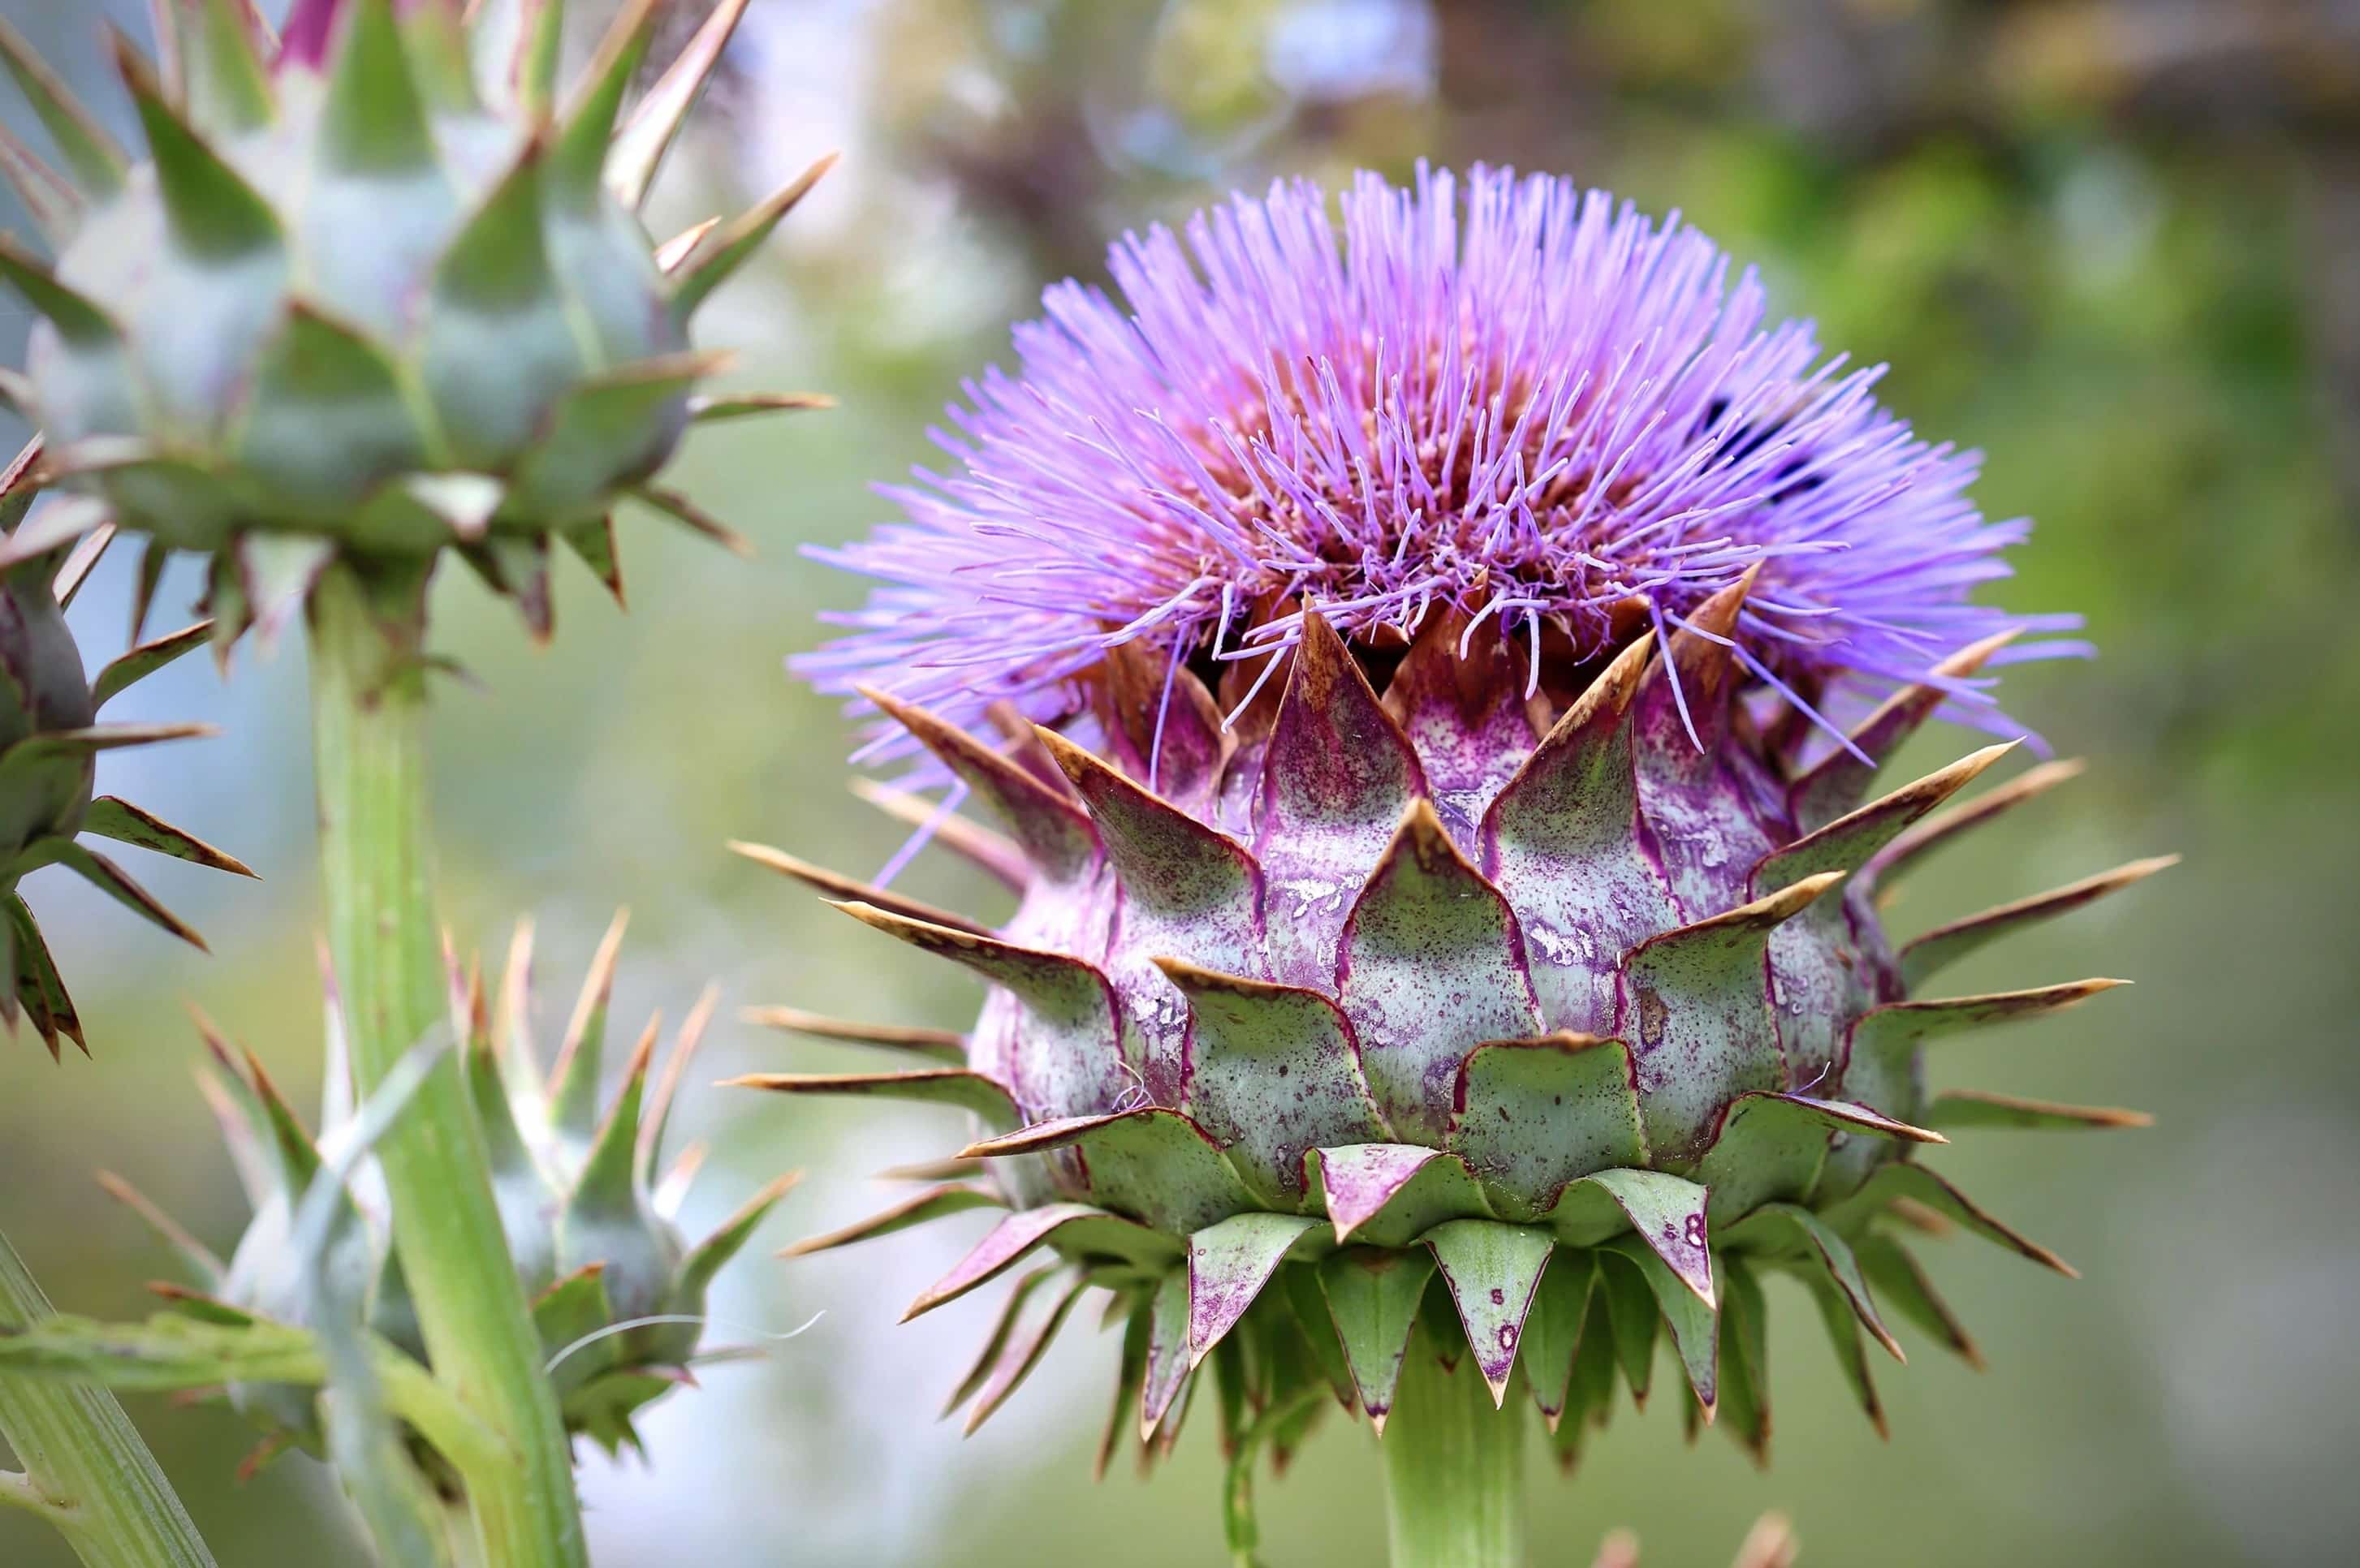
1503	396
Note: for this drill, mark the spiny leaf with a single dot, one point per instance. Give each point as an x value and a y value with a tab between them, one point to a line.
991	853
1056	836
80	563
1928	955
680	509
213	211
1230	1263
919	1208
1015	1238
1491	1272
278	572
736	242
55	206
1975	1107
1012	1310
202	1261
1022	1353
1372	1300
110	879
97	163
374	120
639	147
1946	825
593	542
1811	1235
221	53
934	1045
79	320
60	523
1903	1286
1744	1361
125	823
1839	783
589	117
943	1087
707	410
36	982
835	886
1694	1328
574	1078
712	1255
605	1185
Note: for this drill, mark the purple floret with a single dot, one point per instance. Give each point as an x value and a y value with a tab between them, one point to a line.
1504	396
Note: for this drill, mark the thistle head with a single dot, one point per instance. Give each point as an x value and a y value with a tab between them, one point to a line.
376	288
1505	404
617	1290
51	737
1410	652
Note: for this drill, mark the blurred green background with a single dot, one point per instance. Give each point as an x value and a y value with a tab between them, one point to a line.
2117	244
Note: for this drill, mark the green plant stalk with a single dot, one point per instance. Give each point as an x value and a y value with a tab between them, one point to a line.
1454	1469
368	677
85	1469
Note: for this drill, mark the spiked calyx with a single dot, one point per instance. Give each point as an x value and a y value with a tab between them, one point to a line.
376	289
1530	1024
51	737
618	1291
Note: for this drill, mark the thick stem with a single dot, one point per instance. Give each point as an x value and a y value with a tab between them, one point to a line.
85	1467
368	722
1454	1469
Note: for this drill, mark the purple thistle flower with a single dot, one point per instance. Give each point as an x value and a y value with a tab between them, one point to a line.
1507	397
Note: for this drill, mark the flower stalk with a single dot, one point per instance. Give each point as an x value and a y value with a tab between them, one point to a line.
85	1469
1454	1470
369	709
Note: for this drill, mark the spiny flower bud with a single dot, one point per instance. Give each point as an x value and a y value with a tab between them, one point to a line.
49	742
376	289
1447	905
618	1291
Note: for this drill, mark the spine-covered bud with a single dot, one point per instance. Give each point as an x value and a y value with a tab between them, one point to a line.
618	1291
376	288
51	736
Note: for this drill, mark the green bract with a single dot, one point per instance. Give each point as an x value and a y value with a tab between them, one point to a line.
49	741
618	1291
390	299
1542	1010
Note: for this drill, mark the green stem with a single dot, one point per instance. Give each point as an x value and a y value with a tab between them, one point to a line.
85	1469
1454	1469
368	723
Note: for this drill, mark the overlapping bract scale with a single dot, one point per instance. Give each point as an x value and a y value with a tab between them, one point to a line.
50	736
1548	1031
380	286
617	1290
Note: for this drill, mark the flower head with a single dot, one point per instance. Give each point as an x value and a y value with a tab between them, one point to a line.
1506	396
1410	891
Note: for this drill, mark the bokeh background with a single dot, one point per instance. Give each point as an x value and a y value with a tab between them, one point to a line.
2113	242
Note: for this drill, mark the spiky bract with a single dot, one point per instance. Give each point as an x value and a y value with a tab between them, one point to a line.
49	742
379	289
1530	1013
618	1291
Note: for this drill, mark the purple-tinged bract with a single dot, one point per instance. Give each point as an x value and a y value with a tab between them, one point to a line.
1507	397
1435	913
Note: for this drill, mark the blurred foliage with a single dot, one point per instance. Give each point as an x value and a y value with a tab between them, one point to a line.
2113	242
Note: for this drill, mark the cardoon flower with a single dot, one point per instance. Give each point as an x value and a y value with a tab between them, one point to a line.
618	1291
1447	950
380	286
